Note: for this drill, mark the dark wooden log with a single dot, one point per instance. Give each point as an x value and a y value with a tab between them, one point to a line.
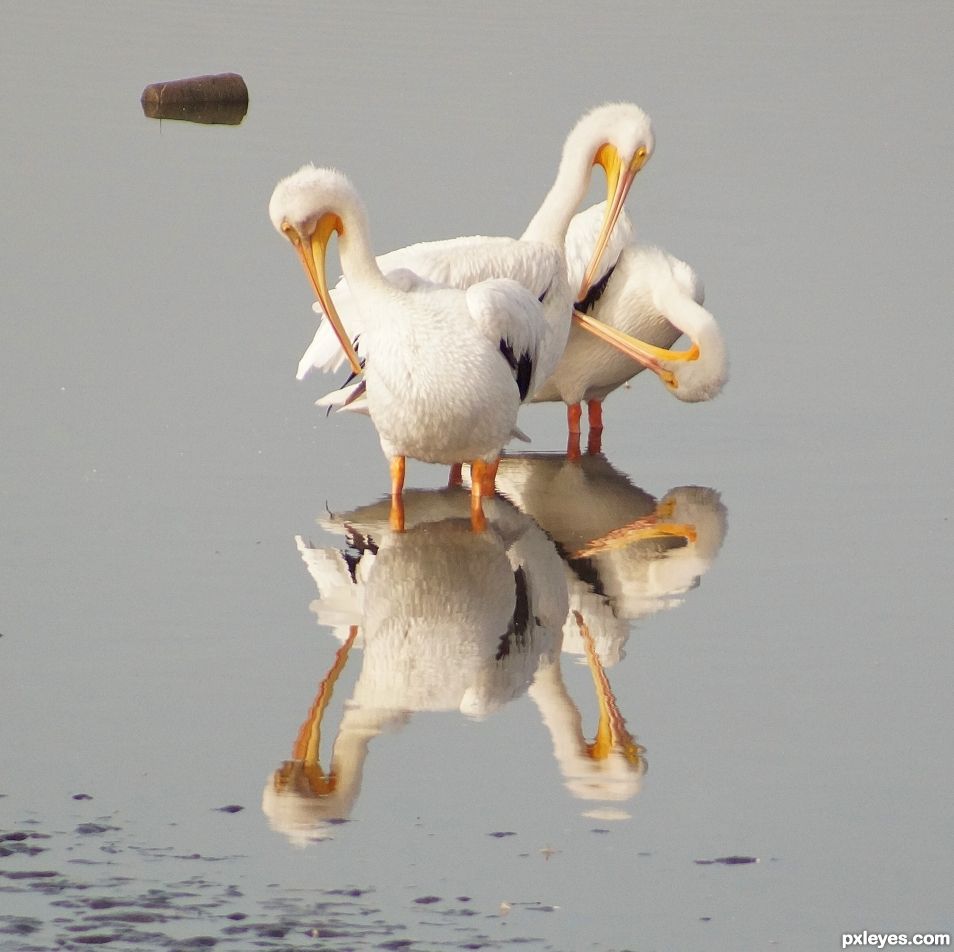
218	98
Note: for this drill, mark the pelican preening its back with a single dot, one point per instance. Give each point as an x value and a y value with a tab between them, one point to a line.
450	366
645	293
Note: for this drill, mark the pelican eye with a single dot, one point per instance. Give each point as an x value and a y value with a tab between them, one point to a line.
639	158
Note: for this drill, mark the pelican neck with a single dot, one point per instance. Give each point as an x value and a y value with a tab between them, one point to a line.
552	220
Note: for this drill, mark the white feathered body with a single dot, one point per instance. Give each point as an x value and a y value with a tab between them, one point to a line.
439	389
616	136
581	236
449	618
457	263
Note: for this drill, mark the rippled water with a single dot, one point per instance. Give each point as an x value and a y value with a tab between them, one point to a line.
237	712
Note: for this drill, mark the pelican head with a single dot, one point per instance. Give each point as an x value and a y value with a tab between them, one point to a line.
618	137
307	208
699	373
648	278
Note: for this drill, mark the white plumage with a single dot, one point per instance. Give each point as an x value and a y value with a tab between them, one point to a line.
450	367
647	294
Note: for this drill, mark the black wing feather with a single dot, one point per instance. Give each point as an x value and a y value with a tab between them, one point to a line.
522	367
595	293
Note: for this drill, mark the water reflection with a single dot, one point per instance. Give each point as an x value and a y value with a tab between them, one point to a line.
627	553
447	619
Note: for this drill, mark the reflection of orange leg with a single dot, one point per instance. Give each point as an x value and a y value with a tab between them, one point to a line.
478	473
397	498
574	411
489	480
454	478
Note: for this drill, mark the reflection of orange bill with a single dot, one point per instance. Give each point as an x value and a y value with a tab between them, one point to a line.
611	733
641	530
306	754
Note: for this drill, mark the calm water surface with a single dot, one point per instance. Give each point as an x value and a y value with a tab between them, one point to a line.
187	545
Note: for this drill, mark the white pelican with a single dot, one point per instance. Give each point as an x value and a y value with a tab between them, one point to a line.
628	555
449	620
619	138
645	293
450	367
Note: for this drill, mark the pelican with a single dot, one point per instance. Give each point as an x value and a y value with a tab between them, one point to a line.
450	366
628	554
618	137
445	620
645	293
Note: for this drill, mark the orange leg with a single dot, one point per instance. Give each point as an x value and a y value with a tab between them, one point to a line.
396	518
478	473
594	442
573	413
454	478
594	409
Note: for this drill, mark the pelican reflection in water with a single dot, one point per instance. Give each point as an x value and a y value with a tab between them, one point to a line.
444	619
627	553
449	620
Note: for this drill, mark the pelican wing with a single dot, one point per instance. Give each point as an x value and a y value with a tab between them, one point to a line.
351	397
457	263
461	262
511	317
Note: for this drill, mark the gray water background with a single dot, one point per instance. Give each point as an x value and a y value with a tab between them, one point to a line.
158	459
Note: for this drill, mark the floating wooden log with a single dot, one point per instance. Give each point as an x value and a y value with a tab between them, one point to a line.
218	98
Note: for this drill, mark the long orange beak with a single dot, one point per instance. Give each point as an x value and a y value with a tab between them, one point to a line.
312	253
646	354
619	180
